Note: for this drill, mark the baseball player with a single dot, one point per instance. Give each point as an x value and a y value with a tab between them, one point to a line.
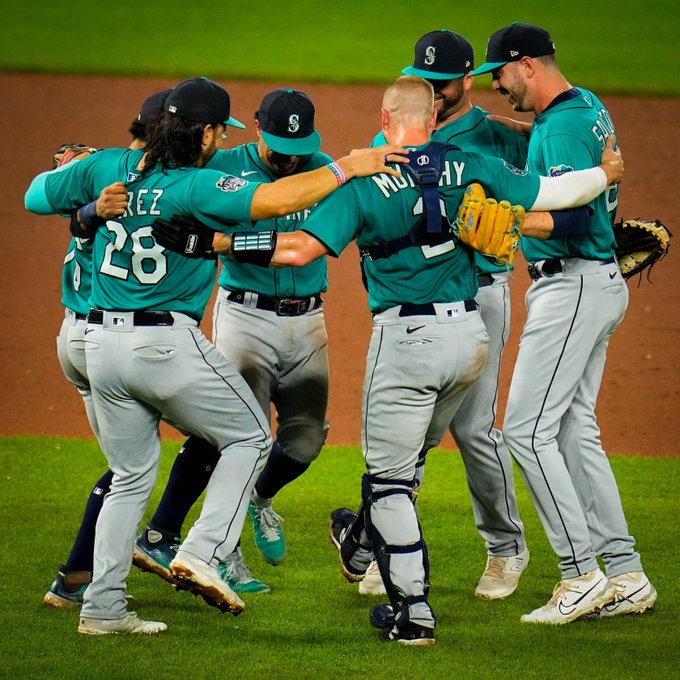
146	356
73	577
576	301
446	59
428	343
270	326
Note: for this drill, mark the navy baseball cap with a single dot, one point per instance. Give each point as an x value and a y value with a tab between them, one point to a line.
201	100
441	55
286	118
514	42
153	106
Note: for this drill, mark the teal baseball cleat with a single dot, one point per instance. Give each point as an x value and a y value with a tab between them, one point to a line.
237	576
269	536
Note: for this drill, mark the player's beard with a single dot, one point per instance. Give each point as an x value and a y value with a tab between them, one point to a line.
282	165
447	103
517	94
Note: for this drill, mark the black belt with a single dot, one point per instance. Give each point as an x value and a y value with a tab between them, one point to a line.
552	267
96	316
282	306
484	280
428	309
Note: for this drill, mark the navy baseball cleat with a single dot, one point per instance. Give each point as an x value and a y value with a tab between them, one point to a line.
67	589
154	550
412	635
340	524
382	616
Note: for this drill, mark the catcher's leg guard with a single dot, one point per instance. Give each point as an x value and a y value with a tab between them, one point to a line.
397	540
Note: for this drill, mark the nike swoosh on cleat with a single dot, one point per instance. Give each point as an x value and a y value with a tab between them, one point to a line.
410	330
568	609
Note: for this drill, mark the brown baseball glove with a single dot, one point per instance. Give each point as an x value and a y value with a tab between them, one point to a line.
69	152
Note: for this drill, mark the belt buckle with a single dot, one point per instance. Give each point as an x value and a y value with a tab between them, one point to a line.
534	272
291	307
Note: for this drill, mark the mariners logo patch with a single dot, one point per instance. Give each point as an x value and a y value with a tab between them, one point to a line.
293	122
230	183
513	169
558	170
430	55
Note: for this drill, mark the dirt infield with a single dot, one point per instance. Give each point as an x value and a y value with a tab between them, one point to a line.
639	406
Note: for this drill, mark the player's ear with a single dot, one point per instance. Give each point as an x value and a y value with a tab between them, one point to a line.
385	118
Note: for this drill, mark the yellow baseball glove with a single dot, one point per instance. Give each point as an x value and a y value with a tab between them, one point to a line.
490	227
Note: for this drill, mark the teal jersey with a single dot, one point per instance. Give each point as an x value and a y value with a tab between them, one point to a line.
290	282
570	135
475	132
381	208
76	276
130	270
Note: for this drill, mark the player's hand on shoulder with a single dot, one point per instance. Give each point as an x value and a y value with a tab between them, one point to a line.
112	201
364	162
612	162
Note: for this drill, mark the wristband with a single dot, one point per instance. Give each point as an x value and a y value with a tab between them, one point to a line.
569	223
338	172
85	221
253	247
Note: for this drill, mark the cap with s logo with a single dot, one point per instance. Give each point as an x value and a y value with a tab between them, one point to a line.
286	118
514	42
441	55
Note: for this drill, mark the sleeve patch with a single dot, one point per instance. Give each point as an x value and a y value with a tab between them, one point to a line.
514	169
230	183
557	170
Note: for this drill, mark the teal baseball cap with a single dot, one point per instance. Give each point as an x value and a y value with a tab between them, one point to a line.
286	119
441	55
514	42
201	100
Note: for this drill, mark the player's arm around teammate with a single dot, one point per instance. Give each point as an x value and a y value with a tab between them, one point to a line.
576	301
269	324
166	297
360	211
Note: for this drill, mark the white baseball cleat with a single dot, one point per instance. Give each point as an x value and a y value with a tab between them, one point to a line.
501	576
634	594
372	583
574	598
130	623
203	579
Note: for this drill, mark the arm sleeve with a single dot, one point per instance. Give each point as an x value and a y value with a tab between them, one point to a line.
570	190
35	200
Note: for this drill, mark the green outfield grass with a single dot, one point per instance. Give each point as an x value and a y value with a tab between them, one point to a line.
628	47
314	624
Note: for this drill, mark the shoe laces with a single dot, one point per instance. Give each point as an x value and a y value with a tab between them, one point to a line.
562	588
495	567
269	522
238	572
